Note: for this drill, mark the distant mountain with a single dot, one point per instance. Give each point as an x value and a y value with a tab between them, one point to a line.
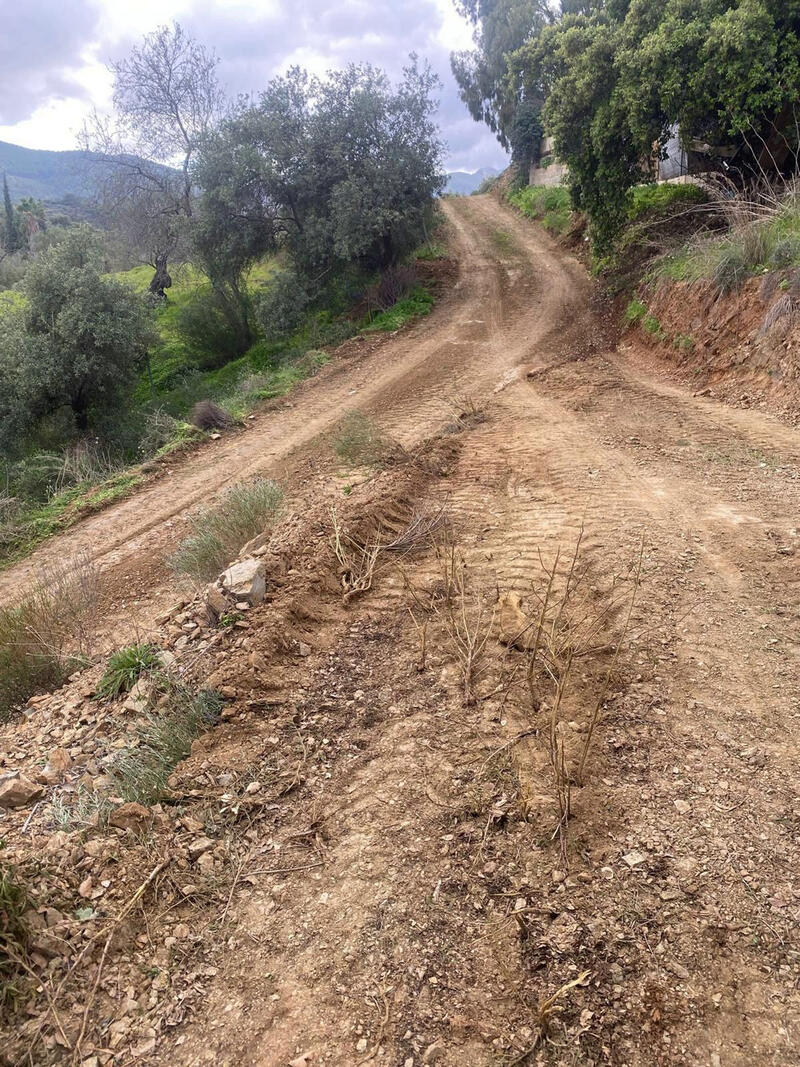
462	182
49	176
65	181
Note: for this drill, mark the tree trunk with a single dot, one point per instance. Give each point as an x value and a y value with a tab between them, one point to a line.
161	279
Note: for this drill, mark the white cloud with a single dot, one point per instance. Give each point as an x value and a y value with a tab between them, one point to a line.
55	71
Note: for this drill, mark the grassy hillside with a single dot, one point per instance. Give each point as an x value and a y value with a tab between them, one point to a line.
68	179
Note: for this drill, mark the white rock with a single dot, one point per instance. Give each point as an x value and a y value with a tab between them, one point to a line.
245	581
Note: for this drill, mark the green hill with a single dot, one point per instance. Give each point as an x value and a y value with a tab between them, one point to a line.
49	176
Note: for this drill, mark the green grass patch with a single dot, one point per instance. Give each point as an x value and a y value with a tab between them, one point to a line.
634	312
430	251
549	205
664	198
417	304
125	667
771	243
34	523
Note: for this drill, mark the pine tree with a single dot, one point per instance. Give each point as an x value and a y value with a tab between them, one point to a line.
10	232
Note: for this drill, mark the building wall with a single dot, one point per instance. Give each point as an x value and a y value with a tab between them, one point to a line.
553	172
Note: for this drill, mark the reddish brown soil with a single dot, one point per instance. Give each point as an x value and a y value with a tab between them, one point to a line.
387	882
729	345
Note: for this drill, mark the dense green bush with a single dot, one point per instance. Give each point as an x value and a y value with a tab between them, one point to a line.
206	330
548	204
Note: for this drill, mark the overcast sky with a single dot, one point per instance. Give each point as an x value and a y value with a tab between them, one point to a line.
53	55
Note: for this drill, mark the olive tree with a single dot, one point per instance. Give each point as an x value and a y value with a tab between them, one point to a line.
80	336
166	98
331	172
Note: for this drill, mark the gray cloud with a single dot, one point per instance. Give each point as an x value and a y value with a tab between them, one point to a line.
381	32
42	42
40	49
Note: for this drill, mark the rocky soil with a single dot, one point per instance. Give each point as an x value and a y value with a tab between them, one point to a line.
520	791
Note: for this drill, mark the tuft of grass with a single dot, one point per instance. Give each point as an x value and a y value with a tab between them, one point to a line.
432	250
683	341
359	442
635	312
770	240
549	205
14	934
244	511
45	638
76	811
140	773
502	241
125	667
651	325
418	303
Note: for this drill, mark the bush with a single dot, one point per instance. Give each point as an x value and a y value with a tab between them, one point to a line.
206	415
651	325
282	305
393	285
43	640
206	331
786	252
359	442
140	773
219	534
125	667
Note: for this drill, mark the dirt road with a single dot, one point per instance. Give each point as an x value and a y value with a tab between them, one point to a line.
408	900
473	341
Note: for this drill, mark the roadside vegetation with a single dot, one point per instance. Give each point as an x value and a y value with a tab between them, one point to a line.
46	637
243	512
217	286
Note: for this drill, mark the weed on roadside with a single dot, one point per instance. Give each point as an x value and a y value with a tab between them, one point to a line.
635	312
244	511
140	773
46	637
360	443
125	667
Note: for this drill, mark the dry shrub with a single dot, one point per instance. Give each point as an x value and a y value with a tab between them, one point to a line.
465	613
206	415
244	511
85	462
359	442
568	625
46	637
783	310
393	285
358	559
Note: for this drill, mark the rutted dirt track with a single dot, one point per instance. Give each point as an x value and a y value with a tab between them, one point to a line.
471	343
405	900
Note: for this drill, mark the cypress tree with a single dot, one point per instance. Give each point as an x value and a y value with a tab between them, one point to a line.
10	234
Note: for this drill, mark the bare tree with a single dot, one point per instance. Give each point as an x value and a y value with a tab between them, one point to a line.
166	97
